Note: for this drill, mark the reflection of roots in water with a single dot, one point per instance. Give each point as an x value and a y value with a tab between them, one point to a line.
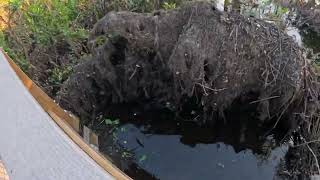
241	129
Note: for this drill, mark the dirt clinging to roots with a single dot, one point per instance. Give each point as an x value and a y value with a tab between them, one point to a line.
193	52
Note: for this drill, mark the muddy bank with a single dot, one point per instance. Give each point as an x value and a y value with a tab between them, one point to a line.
194	54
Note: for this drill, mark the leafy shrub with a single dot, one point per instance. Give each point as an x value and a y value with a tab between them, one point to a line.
43	35
169	5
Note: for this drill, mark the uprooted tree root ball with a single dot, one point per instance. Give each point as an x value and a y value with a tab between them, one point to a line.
193	53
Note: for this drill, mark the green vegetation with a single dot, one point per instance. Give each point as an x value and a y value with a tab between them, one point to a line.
114	129
47	38
59	75
169	5
142	158
111	123
41	25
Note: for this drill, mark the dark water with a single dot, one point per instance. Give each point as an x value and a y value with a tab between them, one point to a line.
154	144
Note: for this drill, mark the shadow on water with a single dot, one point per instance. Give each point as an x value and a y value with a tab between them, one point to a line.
154	144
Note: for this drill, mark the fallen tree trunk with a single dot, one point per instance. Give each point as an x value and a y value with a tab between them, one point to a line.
191	54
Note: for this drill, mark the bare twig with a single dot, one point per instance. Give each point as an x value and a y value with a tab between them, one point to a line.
206	87
315	158
264	99
134	72
306	143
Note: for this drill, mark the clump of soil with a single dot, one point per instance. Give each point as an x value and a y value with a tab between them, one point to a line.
191	54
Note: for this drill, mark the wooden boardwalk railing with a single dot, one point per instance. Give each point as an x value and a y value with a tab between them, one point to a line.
67	122
3	172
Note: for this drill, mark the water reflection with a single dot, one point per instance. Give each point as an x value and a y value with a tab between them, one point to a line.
154	144
162	147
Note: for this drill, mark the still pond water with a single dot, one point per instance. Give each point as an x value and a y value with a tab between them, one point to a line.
156	145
